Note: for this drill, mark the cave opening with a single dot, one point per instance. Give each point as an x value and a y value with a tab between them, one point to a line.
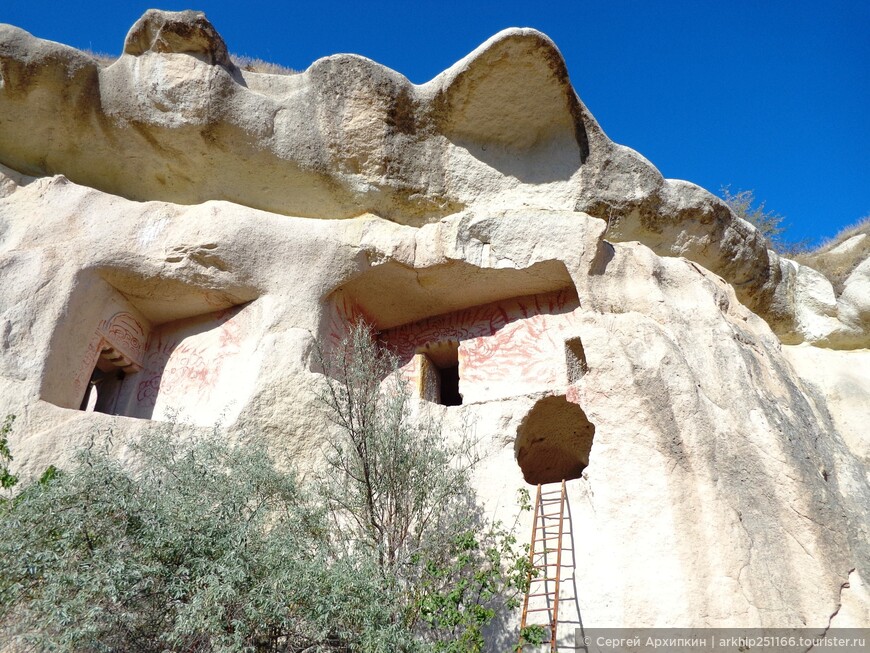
553	441
439	372
575	360
103	391
449	386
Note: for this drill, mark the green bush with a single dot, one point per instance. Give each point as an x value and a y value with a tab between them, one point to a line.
7	479
208	547
200	544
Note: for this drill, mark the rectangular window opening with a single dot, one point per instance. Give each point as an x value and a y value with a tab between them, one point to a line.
438	365
575	360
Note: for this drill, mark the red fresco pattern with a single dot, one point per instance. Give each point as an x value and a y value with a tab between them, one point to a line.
511	339
478	322
187	365
126	334
344	313
88	362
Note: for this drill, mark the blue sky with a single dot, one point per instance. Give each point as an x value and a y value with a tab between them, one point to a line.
766	95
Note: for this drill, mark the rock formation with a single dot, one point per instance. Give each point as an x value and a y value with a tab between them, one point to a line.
176	233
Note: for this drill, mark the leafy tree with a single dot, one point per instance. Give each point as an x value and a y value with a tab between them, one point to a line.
400	492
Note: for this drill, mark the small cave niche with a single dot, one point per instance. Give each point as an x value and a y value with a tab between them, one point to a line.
105	388
553	441
116	351
119	352
575	360
438	363
127	339
103	391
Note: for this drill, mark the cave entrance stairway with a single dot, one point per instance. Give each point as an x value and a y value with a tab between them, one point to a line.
545	563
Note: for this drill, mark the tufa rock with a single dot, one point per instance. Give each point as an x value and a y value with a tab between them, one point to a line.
177	234
182	32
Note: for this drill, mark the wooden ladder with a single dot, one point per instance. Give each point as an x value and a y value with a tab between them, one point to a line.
547	529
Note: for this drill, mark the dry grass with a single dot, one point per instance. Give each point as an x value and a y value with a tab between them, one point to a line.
860	227
103	58
249	64
254	65
838	265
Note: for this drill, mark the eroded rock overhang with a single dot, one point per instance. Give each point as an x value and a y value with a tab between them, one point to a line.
174	119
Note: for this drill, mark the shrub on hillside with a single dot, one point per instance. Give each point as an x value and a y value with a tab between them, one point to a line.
207	545
769	223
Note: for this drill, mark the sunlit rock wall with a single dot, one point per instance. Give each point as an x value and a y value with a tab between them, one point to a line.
177	236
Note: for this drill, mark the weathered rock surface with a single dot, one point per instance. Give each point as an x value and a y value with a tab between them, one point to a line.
163	248
174	120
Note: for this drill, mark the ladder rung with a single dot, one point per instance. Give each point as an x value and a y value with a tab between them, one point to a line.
542	561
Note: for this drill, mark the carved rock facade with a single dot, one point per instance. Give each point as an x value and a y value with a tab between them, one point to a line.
175	234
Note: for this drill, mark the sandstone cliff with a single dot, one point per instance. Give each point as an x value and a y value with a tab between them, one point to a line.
180	231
